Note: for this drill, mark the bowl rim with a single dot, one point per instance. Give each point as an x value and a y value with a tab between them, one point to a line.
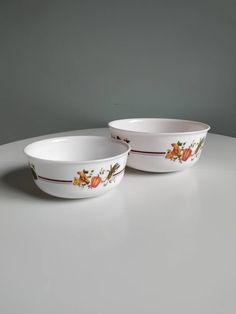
206	127
72	162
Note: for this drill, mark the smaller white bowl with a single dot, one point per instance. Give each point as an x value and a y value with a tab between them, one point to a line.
77	166
161	145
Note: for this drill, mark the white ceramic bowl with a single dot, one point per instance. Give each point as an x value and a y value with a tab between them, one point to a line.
77	166
161	145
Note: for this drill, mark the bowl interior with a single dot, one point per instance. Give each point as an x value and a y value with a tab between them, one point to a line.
157	126
76	149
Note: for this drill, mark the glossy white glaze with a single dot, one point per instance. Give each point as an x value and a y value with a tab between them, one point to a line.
77	166
161	145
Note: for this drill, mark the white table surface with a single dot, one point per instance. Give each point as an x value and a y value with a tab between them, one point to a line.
158	243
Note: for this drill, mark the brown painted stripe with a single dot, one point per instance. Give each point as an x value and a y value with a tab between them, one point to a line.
55	180
147	152
68	181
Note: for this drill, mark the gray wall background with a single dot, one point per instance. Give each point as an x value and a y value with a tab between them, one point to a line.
78	64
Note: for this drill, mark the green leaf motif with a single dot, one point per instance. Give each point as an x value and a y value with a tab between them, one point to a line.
34	174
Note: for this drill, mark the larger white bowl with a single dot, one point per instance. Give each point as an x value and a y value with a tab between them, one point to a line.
161	145
77	166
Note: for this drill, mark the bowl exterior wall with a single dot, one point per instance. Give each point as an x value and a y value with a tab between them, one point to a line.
77	180
164	152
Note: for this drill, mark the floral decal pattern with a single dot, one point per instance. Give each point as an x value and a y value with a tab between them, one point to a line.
91	180
179	151
85	178
116	137
182	152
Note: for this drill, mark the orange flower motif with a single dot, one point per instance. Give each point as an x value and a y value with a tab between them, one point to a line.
95	181
186	154
82	180
175	152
